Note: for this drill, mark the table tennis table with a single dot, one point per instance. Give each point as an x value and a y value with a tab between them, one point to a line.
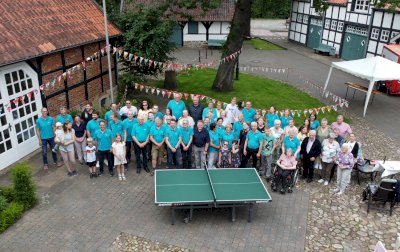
209	188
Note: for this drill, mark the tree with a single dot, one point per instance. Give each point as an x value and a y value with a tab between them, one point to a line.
147	34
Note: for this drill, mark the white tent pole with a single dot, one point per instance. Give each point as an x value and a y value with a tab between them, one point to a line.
371	86
327	80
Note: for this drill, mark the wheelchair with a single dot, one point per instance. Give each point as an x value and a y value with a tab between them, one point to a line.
291	179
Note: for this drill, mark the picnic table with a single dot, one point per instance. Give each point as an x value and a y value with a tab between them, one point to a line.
203	188
358	87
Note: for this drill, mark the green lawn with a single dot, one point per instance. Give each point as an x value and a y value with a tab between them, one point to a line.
261	44
261	91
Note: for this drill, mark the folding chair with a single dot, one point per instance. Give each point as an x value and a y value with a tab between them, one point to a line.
382	193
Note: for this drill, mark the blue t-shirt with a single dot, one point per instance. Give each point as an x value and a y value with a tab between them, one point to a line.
150	123
158	133
271	119
227	137
46	127
214	111
215	139
128	126
173	136
285	121
177	109
140	132
254	139
104	139
60	118
186	134
249	115
291	144
108	115
314	125
116	128
93	126
237	127
220	130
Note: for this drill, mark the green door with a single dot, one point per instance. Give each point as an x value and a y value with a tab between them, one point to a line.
177	36
354	43
314	33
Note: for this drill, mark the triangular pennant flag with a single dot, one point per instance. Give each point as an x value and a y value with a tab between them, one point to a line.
153	90
136	85
292	112
147	90
130	57
305	112
335	107
141	87
328	108
29	95
15	101
225	104
186	95
323	110
126	54
192	96
169	94
163	93
158	91
22	99
298	113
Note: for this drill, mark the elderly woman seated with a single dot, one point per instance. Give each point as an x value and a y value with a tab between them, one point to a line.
286	165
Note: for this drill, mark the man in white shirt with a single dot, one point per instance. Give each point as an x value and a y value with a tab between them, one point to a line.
232	111
123	112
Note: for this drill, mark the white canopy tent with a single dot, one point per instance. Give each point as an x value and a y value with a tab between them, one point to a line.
372	69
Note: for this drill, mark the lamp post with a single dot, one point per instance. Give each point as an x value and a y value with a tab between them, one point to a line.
108	50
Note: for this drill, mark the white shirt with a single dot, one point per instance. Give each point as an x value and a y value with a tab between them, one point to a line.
276	133
232	113
90	153
309	144
124	110
189	119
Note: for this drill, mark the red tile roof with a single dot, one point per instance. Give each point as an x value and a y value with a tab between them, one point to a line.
223	13
338	2
31	28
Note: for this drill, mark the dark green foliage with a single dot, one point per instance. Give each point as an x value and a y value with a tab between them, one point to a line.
7	192
24	187
270	9
3	203
146	34
10	215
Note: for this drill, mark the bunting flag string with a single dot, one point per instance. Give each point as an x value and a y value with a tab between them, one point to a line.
129	57
231	57
294	112
19	101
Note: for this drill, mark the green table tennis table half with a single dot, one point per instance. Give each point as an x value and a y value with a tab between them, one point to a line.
217	188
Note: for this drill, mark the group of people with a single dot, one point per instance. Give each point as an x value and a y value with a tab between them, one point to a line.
217	137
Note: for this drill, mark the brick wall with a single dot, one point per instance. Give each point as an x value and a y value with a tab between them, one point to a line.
76	95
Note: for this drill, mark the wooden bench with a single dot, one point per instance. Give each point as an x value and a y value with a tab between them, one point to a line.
215	42
287	22
358	87
323	48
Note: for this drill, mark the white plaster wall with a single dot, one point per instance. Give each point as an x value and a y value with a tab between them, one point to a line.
362	19
396	22
225	27
194	37
215	28
342	13
387	20
377	19
372	46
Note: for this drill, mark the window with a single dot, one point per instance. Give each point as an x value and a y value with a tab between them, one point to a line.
375	33
394	34
193	28
333	25
327	23
340	26
305	19
385	35
361	5
299	18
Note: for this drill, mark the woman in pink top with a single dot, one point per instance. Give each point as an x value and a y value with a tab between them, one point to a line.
286	164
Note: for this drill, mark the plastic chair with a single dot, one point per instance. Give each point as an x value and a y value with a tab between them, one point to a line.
383	193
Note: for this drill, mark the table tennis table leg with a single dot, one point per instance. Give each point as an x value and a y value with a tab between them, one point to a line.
172	216
233	213
250	217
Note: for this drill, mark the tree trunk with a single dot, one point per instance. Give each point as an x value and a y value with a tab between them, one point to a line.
224	79
170	81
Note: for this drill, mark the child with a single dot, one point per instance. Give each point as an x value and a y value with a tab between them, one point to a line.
224	156
119	152
91	157
235	155
59	136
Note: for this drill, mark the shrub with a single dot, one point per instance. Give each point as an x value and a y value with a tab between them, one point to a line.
10	215
3	203
24	187
8	193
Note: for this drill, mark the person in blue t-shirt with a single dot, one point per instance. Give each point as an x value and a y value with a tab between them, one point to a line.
186	144
149	123
64	116
157	113
220	127
177	106
127	126
104	141
157	139
116	126
45	127
249	113
114	109
93	125
238	126
173	140
140	136
252	145
314	123
285	119
215	145
210	110
291	142
227	135
271	117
